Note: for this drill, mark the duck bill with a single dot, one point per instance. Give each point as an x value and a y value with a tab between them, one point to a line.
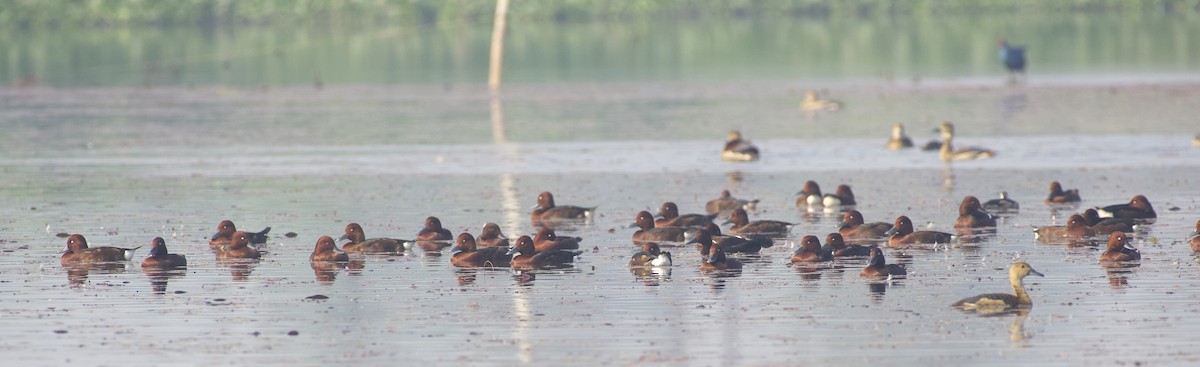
1035	272
343	238
455	250
215	236
512	251
890	232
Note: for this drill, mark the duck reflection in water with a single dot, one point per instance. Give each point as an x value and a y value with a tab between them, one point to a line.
160	277
948	178
809	271
1016	330
877	289
651	276
77	274
1118	273
465	276
239	269
524	278
735	177
327	271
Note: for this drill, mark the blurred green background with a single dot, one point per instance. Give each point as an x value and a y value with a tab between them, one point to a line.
270	42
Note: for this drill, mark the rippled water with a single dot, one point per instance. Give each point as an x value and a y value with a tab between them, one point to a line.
419	308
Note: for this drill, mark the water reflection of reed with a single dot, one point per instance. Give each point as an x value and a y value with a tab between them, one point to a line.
512	212
524	317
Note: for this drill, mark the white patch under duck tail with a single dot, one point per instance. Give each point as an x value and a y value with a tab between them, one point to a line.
129	253
663	259
831	200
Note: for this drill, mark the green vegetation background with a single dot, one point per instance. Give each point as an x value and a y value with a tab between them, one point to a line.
105	13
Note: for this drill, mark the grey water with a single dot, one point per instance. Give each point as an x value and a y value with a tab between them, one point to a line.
139	143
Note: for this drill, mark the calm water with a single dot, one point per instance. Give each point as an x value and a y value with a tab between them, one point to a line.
99	153
418	307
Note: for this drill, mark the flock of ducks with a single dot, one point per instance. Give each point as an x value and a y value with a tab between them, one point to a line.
738	149
855	238
1112	222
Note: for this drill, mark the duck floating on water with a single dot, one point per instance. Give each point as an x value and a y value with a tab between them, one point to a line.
996	302
947	152
813	102
738	149
899	140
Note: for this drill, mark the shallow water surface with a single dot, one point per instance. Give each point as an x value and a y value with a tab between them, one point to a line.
419	308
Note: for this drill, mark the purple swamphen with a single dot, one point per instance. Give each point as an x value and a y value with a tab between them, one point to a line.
1013	57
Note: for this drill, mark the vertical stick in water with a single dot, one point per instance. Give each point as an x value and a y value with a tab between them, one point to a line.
497	56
